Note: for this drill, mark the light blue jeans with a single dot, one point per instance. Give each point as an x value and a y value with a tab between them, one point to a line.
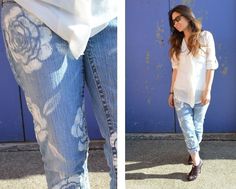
191	122
53	84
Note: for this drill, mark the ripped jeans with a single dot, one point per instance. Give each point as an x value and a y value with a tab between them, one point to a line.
191	122
53	84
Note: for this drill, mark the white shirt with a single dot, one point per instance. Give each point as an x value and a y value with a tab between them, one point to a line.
73	20
191	71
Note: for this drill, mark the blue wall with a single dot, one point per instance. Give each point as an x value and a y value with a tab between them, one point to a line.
148	69
10	110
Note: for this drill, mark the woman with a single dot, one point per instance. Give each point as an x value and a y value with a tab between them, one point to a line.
193	59
54	47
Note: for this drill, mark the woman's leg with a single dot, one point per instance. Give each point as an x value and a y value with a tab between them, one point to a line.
100	65
191	122
185	116
53	83
199	112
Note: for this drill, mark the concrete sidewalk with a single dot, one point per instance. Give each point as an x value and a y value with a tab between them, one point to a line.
162	164
21	167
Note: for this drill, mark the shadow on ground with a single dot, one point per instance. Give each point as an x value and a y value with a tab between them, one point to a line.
148	154
21	164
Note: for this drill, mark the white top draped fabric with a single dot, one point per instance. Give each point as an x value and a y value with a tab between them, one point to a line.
73	20
191	70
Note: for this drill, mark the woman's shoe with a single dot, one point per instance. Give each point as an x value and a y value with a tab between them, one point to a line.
196	170
190	161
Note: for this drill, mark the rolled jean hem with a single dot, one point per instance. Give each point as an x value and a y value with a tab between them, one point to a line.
192	151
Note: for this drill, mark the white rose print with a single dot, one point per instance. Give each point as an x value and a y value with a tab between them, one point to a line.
27	38
40	122
79	129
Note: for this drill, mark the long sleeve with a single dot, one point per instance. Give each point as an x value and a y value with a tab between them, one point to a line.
212	62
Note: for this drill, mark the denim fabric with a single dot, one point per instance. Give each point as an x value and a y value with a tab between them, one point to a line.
53	83
191	122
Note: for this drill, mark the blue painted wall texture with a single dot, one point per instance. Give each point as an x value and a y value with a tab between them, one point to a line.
16	123
148	68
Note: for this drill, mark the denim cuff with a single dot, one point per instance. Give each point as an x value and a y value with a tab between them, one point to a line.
5	1
195	150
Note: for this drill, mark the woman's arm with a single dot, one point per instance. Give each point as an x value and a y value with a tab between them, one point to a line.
206	96
171	95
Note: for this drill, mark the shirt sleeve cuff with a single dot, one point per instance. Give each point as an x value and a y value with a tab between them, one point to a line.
212	65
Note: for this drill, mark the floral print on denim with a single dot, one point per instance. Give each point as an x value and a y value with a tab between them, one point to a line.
40	122
79	129
73	182
28	39
51	104
28	65
191	122
63	49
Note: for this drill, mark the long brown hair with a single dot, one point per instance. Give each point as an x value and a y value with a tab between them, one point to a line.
177	37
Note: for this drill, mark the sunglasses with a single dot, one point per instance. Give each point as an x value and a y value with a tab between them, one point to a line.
177	19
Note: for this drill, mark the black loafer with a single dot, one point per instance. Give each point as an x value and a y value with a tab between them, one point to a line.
190	161
196	170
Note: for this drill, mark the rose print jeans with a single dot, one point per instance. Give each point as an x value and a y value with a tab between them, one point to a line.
53	84
191	123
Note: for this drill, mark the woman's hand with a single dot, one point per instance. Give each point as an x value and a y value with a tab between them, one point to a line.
171	100
206	97
171	96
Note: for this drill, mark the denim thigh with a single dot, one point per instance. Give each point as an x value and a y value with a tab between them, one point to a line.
100	75
53	83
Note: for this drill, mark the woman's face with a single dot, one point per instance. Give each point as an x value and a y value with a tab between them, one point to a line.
179	22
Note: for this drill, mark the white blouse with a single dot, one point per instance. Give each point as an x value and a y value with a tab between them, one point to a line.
73	20
191	71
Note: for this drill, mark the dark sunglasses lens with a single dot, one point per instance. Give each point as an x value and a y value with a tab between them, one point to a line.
177	19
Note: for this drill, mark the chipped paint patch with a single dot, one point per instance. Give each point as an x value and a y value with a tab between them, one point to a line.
147	57
203	17
200	19
224	69
159	33
149	100
173	2
148	92
159	68
187	2
219	46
